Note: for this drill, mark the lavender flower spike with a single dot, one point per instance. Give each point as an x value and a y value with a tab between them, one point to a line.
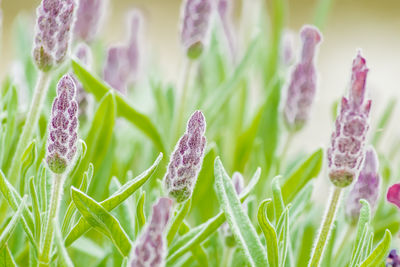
366	186
302	87
63	126
195	26
150	247
187	159
347	143
52	36
88	19
393	259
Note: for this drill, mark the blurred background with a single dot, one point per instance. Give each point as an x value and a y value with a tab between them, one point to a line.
373	26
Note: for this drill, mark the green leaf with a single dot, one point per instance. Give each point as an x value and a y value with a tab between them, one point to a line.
35	208
141	218
14	200
307	170
301	201
99	218
177	220
240	224
114	200
99	89
12	108
283	233
6	259
269	233
5	235
379	254
43	188
200	233
63	258
363	222
279	206
28	158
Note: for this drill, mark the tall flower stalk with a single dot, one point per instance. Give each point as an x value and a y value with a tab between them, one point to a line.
61	150
51	43
346	152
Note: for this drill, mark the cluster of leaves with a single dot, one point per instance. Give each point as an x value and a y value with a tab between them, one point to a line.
107	200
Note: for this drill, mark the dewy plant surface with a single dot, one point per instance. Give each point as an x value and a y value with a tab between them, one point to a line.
97	167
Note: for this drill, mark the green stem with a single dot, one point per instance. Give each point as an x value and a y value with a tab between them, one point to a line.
182	103
53	213
39	96
325	229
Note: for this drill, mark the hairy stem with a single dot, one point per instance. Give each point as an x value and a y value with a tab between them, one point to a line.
326	227
39	96
52	214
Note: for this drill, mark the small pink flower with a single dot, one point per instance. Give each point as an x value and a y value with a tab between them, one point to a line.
393	195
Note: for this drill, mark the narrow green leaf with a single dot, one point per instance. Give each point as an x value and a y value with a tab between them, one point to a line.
279	206
114	200
269	233
99	89
28	158
307	170
356	257
35	208
141	218
283	232
200	233
99	218
177	220
6	259
383	122
63	258
5	235
240	224
379	254
43	189
301	200
363	222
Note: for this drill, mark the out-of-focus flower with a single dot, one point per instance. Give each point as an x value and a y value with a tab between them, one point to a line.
122	64
238	183
348	140
150	247
52	35
187	159
393	195
63	127
288	48
303	83
224	10
89	17
366	187
196	15
83	53
393	259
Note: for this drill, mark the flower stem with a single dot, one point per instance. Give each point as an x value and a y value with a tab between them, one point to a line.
182	102
52	214
40	93
325	228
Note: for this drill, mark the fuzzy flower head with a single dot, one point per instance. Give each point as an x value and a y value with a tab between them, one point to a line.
63	127
346	152
187	159
195	26
88	19
393	259
150	247
303	82
238	183
122	63
366	187
52	35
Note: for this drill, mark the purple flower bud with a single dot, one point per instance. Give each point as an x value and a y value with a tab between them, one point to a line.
52	36
195	26
366	187
88	19
393	195
122	64
302	87
347	143
150	247
63	127
186	160
238	183
393	259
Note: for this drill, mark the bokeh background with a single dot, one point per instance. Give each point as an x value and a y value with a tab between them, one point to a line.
372	25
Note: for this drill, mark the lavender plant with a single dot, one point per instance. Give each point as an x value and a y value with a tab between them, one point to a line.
96	189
